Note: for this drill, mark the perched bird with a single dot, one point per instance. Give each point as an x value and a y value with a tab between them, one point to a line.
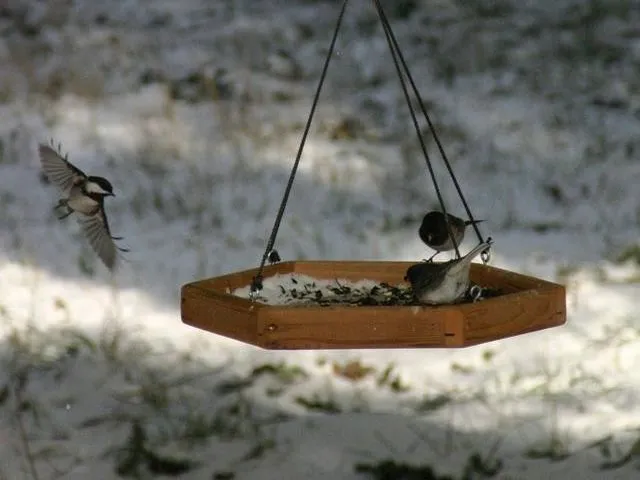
434	233
85	196
442	282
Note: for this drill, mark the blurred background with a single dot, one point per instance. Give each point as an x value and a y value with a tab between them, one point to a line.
194	111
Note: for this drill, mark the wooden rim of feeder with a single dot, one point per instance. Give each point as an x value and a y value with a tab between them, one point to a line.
527	304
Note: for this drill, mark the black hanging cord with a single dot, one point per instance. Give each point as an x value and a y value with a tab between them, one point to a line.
393	47
395	50
256	284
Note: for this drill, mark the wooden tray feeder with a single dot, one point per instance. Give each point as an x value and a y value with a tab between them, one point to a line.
524	304
527	304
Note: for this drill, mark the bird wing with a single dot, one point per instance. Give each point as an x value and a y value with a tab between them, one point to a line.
427	274
96	229
58	169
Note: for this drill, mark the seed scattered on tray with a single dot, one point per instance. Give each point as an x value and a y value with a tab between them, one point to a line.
301	290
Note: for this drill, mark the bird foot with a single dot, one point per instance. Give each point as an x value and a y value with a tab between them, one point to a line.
63	203
430	259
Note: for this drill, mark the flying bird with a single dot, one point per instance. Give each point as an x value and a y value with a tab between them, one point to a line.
434	233
436	283
83	195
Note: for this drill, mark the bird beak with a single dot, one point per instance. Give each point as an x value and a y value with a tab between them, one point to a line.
112	194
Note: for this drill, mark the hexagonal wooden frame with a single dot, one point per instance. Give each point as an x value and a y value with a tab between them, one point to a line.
528	304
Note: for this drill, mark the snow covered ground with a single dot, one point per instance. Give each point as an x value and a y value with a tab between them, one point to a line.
194	110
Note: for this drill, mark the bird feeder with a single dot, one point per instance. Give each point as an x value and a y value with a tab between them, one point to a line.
523	304
526	304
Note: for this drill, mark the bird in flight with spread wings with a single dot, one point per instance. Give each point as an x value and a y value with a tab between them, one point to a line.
83	195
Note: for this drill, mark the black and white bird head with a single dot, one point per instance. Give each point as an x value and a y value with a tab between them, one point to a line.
99	186
83	195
